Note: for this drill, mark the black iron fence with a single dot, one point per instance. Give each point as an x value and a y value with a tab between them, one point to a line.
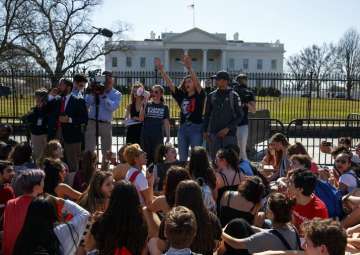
286	96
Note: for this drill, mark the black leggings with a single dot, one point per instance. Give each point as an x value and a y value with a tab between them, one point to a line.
150	143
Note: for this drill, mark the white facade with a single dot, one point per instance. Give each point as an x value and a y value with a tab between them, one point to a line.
210	53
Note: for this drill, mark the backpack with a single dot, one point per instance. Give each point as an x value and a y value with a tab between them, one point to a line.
230	95
356	176
331	198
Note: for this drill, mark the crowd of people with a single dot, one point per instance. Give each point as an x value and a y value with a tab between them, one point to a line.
55	197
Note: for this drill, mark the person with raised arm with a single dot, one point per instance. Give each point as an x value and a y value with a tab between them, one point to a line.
190	97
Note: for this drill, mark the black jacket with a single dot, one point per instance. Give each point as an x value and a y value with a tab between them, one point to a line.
77	111
37	121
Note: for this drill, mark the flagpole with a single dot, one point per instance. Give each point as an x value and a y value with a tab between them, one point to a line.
193	5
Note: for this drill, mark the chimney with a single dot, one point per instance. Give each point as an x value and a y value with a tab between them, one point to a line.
152	35
236	36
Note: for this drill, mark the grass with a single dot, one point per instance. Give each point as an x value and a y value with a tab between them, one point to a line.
284	109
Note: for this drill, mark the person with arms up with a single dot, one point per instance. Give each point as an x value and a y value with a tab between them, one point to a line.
155	115
223	113
69	118
248	105
190	97
109	101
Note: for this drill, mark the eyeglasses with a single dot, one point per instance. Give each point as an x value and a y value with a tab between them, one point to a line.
341	161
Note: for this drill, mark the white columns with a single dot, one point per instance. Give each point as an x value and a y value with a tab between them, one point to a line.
186	52
167	60
204	62
223	60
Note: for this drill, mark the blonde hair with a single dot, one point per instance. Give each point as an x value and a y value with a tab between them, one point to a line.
131	153
49	149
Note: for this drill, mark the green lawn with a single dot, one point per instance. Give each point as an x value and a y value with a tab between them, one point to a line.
284	109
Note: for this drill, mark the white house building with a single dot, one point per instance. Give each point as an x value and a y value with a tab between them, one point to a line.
210	52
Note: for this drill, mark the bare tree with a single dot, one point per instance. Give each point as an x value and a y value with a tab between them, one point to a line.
319	61
349	57
10	10
59	35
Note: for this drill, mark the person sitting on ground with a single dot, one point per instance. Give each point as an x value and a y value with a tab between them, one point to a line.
54	185
348	180
121	229
165	157
136	158
228	176
32	184
188	194
300	161
245	164
21	156
298	148
244	203
5	132
96	196
201	172
282	236
121	168
277	156
180	230
164	203
324	237
302	184
87	169
237	228
6	191
42	235
53	150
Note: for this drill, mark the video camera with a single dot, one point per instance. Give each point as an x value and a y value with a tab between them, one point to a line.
245	94
96	82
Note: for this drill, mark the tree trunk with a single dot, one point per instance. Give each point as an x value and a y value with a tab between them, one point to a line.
348	88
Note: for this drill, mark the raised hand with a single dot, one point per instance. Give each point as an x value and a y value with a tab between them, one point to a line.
187	62
158	64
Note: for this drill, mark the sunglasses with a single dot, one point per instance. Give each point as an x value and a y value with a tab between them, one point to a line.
156	92
341	161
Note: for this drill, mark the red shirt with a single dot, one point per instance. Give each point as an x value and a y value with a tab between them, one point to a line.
14	217
314	209
6	193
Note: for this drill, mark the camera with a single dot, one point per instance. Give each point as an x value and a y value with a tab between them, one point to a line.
96	82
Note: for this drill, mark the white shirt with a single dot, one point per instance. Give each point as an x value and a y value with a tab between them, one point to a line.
349	180
70	239
140	182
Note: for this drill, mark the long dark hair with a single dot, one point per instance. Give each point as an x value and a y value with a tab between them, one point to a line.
161	151
88	166
173	177
122	224
93	198
52	169
188	194
38	230
21	154
231	157
199	166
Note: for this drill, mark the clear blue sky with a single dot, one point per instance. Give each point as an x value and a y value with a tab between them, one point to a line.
296	23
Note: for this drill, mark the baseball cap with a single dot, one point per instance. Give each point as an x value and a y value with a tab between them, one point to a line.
221	75
107	73
241	76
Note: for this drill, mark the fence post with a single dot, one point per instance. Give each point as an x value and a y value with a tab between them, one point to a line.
14	97
310	96
156	76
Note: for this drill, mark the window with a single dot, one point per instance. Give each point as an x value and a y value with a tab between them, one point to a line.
231	64
211	60
259	64
246	64
273	64
114	62
128	61
142	62
194	59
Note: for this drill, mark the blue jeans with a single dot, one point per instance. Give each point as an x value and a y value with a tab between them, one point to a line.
189	135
